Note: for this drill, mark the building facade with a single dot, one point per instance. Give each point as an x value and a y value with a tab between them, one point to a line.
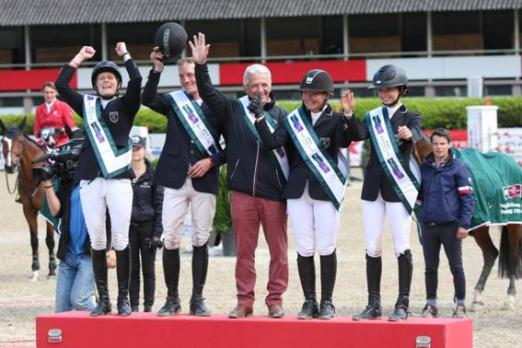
447	47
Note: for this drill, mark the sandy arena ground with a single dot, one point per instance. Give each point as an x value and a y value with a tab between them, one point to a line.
21	300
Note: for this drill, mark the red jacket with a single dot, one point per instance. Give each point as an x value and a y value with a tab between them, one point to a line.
59	115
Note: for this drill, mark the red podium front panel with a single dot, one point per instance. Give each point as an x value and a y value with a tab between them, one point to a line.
77	329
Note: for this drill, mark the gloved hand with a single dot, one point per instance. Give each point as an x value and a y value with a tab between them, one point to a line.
156	242
78	133
256	106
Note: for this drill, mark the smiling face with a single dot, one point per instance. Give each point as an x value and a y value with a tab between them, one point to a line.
187	78
49	94
259	83
107	84
389	95
138	153
314	101
440	146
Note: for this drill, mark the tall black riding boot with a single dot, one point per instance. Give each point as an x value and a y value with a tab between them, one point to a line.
306	268
405	275
123	275
328	275
99	268
199	276
373	279
171	266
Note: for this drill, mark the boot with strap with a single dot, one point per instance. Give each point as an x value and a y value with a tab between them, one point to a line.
306	268
373	279
328	275
123	275
99	268
199	276
171	265
405	275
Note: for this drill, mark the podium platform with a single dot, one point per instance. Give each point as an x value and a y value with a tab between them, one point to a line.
78	330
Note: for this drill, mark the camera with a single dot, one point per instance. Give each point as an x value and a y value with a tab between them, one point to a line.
60	162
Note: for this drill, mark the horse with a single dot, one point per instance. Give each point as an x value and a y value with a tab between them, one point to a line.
510	253
19	150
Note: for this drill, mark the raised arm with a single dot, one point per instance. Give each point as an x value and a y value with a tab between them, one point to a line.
150	96
132	98
215	100
353	129
68	94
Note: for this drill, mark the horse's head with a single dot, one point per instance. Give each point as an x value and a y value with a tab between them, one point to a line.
9	134
49	135
421	148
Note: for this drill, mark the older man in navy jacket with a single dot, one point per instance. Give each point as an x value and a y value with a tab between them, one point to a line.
447	207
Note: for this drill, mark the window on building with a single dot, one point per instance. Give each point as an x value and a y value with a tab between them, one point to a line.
457	31
11	102
413	32
451	91
12	45
228	38
331	35
502	90
498	30
293	36
139	38
60	43
374	33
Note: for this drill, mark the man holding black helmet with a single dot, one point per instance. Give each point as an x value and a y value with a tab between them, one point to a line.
256	177
188	169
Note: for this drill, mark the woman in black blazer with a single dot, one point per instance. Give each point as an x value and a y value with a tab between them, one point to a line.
381	193
313	212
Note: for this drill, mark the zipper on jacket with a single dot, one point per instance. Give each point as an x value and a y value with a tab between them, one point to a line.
255	171
235	168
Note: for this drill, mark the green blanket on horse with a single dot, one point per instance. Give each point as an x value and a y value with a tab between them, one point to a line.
497	185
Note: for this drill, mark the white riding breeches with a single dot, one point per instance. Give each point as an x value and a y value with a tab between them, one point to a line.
373	222
175	207
315	224
98	195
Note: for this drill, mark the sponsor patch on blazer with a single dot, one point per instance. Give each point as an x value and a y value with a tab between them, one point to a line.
325	142
114	116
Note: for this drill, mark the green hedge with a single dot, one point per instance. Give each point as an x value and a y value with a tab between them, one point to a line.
442	112
436	112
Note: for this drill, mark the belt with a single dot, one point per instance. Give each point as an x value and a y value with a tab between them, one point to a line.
431	224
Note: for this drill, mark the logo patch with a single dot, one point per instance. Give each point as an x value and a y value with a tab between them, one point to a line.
114	116
512	191
325	142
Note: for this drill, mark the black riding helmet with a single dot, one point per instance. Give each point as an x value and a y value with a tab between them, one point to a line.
171	38
317	80
105	66
390	76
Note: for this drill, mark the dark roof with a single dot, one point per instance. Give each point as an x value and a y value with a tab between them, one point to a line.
42	12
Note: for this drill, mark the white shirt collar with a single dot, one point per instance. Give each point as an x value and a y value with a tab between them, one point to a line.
392	110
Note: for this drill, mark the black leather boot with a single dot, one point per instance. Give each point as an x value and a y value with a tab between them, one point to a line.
123	275
405	274
373	279
328	275
99	268
199	276
306	268
171	266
